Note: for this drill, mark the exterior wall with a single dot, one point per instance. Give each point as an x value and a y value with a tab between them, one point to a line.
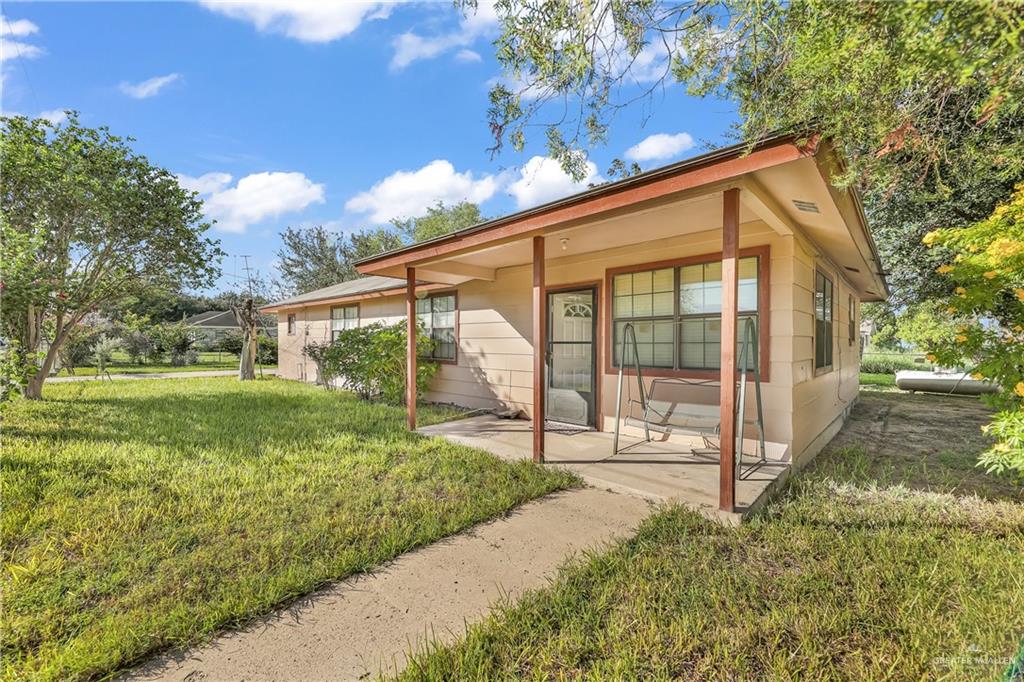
493	368
821	399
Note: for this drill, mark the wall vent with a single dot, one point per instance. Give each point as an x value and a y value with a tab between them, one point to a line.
851	269
806	206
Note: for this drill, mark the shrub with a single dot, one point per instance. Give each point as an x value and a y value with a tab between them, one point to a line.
888	364
230	342
76	351
137	345
267	352
176	339
370	361
103	351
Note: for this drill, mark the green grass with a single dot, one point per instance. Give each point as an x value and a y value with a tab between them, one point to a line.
867	379
140	515
121	365
890	558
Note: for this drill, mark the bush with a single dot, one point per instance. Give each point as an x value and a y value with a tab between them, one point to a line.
76	351
890	364
103	351
267	352
176	340
230	342
137	345
370	361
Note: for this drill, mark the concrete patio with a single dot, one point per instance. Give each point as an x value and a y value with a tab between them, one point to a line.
661	470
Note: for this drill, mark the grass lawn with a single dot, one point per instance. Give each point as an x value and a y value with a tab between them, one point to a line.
122	365
891	557
140	515
867	379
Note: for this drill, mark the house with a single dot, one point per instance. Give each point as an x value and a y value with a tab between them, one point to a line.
528	311
212	325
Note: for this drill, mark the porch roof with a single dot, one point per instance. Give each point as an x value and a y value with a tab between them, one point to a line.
783	183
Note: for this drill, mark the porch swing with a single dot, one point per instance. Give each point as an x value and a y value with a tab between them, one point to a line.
666	416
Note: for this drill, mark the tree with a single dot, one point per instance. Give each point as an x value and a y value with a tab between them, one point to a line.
924	99
85	221
987	267
248	321
439	220
314	258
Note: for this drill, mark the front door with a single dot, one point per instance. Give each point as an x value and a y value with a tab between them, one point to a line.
571	356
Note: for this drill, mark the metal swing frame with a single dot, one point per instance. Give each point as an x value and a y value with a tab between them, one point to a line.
748	349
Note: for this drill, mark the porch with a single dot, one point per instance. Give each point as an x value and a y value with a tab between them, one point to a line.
660	470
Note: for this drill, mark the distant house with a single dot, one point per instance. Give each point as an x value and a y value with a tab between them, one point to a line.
214	324
697	265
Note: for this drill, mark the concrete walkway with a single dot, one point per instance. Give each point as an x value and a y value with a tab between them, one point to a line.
367	624
158	375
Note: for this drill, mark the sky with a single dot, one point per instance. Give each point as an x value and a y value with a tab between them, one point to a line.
298	113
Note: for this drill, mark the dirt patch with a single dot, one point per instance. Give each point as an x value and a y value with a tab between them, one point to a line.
926	442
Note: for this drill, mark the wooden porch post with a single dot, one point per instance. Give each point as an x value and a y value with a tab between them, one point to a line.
540	318
410	360
727	398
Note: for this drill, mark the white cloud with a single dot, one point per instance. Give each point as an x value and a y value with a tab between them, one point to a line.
406	194
311	21
207	183
254	198
54	116
17	49
542	179
660	146
18	28
410	47
148	88
468	56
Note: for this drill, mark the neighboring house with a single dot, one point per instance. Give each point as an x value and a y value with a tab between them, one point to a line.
214	324
547	292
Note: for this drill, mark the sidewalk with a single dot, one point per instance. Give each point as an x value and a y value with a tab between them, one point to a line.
158	375
365	624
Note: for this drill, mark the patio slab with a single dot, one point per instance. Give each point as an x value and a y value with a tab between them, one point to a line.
661	471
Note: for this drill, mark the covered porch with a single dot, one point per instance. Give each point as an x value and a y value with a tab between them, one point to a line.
660	470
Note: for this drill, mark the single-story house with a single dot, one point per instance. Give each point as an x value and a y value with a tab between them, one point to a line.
215	324
528	311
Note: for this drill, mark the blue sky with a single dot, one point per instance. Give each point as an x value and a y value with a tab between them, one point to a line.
299	113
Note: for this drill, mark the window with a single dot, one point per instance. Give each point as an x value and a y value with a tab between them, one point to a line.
291	324
853	318
436	313
677	313
822	321
343	317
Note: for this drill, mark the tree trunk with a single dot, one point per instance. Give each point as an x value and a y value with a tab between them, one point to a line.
247	320
34	387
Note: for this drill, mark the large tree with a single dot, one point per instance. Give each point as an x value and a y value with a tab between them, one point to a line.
925	99
314	257
86	221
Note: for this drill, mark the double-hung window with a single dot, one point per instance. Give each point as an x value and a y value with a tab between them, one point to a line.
823	294
676	313
436	315
342	318
291	324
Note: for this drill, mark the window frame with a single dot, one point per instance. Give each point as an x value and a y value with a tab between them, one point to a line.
290	322
826	368
455	302
853	318
763	253
344	306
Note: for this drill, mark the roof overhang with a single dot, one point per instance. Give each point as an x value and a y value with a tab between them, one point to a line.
772	175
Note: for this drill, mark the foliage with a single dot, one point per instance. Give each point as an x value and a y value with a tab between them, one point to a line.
140	515
103	351
439	220
988	269
370	362
229	342
884	318
888	364
266	353
78	348
925	99
15	368
314	258
840	577
89	222
176	340
925	325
